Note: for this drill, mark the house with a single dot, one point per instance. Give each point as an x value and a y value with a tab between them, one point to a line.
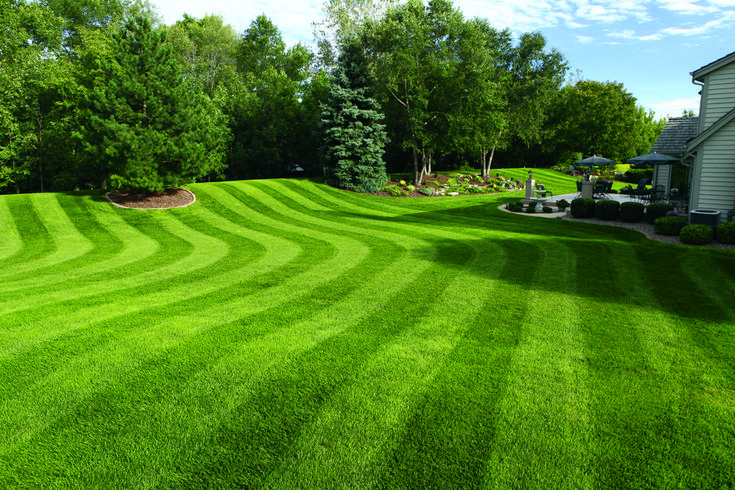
711	154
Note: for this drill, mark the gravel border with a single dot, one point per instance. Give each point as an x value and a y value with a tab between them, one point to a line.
645	228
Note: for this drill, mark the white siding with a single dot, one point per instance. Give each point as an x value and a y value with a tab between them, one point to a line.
719	97
716	176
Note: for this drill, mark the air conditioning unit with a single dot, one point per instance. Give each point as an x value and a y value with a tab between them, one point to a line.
708	217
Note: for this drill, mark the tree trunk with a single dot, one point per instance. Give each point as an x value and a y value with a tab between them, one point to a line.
483	162
416	177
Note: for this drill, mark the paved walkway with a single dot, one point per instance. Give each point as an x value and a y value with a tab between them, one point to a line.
643	227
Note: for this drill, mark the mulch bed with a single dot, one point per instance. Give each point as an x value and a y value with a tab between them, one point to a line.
170	198
442	179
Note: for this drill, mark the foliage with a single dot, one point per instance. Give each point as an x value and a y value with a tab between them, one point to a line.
547	209
147	127
595	118
273	107
607	209
531	208
632	212
562	204
669	225
583	208
726	233
696	234
657	210
427	190
353	138
424	60
395	190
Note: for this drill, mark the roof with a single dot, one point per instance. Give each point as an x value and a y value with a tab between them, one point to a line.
697	75
674	137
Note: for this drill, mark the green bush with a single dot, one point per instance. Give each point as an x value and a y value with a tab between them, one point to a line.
547	209
515	207
607	210
696	234
410	188
655	211
531	208
632	212
583	208
726	233
427	191
395	191
669	225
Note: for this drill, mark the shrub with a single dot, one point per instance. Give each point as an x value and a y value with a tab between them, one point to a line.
547	209
583	208
395	190
696	234
410	188
562	204
607	210
632	212
515	207
669	225
726	233
427	191
531	208
654	211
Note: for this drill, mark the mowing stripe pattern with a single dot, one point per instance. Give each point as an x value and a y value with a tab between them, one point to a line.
283	334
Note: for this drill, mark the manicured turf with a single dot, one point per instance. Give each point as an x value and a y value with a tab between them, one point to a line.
284	334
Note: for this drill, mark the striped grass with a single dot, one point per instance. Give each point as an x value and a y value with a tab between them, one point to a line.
284	334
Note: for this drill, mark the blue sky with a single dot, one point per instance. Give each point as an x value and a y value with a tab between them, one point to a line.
650	46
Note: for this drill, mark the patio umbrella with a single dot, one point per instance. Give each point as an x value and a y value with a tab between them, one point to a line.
654	159
593	161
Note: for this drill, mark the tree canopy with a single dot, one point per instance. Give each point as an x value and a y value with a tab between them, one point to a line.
99	93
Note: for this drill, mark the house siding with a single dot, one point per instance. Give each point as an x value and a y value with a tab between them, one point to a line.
718	97
714	181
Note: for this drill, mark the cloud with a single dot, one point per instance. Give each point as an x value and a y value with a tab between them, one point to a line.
672	108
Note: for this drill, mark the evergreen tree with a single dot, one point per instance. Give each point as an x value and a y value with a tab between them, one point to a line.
353	138
148	127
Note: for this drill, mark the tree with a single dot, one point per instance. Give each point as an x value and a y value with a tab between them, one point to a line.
421	72
343	20
530	78
147	126
207	47
273	107
353	141
30	34
595	118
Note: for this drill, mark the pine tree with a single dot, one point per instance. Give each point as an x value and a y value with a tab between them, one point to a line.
353	138
148	128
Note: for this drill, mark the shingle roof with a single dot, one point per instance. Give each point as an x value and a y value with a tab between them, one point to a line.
673	139
725	60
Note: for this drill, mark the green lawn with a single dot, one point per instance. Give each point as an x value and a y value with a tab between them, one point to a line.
283	334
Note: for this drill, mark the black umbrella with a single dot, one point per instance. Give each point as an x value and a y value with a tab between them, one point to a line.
654	159
593	161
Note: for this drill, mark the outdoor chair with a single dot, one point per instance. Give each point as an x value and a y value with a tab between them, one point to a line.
641	192
600	189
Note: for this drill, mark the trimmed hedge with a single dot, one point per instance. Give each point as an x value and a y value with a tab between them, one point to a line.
726	233
654	211
607	210
669	225
632	212
696	234
583	208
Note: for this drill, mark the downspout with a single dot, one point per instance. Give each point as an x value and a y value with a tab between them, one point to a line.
689	158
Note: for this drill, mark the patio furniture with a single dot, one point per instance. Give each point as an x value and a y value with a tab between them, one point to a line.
641	192
601	189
